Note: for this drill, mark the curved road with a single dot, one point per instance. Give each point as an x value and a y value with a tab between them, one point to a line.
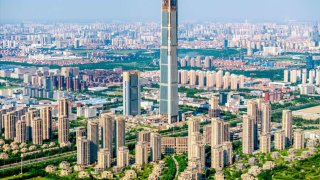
177	167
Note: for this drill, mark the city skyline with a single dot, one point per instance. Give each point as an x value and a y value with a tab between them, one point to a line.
124	10
133	100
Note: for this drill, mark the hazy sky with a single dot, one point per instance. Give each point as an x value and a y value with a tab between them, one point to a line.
149	10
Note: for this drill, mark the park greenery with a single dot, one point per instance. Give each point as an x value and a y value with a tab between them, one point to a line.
169	171
191	92
304	169
182	160
274	74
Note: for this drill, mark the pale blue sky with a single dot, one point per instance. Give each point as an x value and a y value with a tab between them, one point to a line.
149	10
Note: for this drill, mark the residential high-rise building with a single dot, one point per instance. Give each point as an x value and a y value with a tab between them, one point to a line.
207	63
9	125
194	139
144	136
304	76
279	140
46	116
20	132
63	108
254	113
30	115
287	126
226	81
141	153
131	93
193	126
201	79
168	61
155	147
63	130
207	133
184	77
247	135
107	132
83	151
298	139
93	138
217	157
241	81
211	79
226	132
104	159
317	77
80	131
122	157
265	143
197	154
286	75
120	131
266	117
234	82
312	75
2	114
192	78
214	110
36	125
227	153
70	71
293	76
217	137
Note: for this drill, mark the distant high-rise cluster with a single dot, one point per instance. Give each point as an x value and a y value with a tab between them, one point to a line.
308	79
211	79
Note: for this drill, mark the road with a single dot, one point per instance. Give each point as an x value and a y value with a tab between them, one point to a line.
177	167
38	160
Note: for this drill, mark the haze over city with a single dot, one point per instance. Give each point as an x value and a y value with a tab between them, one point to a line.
146	10
159	89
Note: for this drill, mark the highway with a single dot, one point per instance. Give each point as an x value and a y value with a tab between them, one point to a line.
38	160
